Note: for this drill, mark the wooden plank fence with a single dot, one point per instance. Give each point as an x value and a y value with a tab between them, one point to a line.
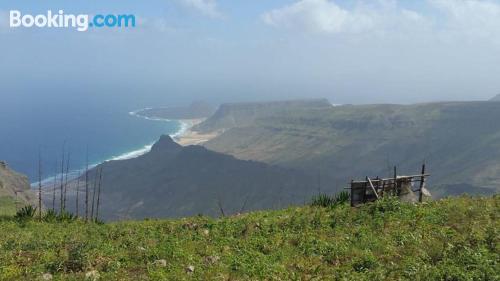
372	189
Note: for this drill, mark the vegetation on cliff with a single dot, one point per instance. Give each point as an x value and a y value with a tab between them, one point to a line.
459	141
450	239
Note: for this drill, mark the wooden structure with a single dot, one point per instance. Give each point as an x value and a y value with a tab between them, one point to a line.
371	189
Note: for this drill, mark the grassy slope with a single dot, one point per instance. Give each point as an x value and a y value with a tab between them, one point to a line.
7	206
451	239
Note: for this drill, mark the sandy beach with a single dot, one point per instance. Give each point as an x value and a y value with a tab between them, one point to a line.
190	137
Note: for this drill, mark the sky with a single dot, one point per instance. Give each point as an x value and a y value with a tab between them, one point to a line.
379	51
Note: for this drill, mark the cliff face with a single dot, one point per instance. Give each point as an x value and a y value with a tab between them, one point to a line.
460	142
244	114
495	98
193	111
14	190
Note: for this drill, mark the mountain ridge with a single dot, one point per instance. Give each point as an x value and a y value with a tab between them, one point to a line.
460	142
230	115
176	181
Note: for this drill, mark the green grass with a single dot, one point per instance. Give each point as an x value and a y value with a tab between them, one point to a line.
325	200
7	206
451	239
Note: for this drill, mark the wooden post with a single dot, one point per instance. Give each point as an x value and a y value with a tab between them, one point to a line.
93	192
98	195
383	188
422	182
352	197
54	189
66	180
62	180
87	186
77	193
395	189
39	184
364	192
319	182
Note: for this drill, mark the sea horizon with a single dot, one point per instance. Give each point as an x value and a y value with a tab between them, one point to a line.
110	132
125	155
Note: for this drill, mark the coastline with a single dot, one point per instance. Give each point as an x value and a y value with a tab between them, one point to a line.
73	174
184	127
184	136
190	137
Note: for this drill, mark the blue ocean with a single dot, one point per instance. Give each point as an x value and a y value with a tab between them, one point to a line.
108	131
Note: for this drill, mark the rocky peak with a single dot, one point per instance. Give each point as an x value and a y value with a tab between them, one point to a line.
166	144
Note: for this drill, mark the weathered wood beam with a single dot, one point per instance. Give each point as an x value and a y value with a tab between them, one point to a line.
373	188
422	182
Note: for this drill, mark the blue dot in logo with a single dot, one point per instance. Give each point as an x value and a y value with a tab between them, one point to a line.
91	24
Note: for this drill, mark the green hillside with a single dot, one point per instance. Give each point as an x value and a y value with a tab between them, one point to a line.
7	206
460	141
244	114
450	239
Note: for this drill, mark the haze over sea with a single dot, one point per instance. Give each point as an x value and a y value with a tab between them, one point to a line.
108	129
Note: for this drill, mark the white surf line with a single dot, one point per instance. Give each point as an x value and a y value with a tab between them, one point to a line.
73	174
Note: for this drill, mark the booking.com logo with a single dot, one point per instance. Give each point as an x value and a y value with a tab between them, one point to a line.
81	22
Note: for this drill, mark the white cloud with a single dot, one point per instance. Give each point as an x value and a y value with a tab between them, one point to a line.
316	15
477	18
326	16
448	19
206	7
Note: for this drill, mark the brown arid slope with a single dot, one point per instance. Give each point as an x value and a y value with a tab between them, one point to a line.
15	190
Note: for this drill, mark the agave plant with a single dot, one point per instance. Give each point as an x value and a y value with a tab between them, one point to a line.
27	212
67	217
324	200
53	216
50	216
342	197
